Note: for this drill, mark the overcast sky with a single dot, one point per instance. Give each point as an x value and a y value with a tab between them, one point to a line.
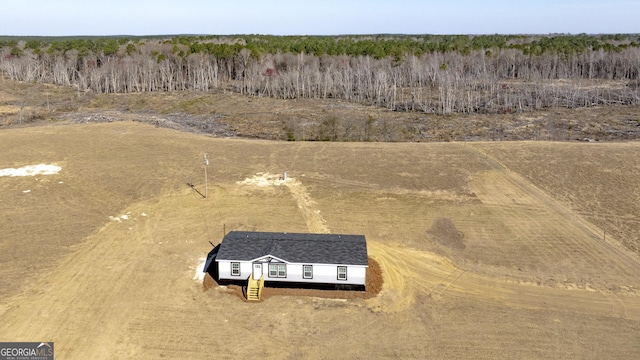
316	17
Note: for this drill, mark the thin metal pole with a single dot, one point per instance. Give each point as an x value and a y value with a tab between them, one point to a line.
206	183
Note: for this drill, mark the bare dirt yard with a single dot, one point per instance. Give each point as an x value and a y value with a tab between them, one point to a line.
487	250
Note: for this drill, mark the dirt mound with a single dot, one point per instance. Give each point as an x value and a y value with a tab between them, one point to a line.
444	232
208	282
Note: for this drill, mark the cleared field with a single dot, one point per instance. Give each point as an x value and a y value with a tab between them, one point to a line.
101	257
595	181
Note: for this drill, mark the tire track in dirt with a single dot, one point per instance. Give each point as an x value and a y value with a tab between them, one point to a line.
407	274
548	236
315	222
449	280
540	196
81	300
411	274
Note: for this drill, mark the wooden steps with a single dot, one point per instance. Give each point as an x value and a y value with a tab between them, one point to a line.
254	288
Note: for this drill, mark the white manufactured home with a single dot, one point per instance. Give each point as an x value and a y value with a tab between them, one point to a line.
291	259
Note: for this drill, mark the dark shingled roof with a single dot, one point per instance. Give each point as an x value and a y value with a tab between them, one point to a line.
296	248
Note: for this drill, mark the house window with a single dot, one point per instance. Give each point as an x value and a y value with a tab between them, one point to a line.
273	270
278	270
342	273
235	269
307	271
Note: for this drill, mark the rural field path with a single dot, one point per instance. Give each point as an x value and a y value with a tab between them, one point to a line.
548	234
91	295
410	274
542	234
306	205
315	222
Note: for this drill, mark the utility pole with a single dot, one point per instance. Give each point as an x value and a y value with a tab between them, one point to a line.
206	183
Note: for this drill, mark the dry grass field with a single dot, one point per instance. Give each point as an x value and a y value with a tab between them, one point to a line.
488	250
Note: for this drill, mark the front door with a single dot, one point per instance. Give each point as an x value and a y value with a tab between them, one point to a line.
257	271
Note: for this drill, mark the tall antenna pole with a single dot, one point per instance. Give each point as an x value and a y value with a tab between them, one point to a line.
206	183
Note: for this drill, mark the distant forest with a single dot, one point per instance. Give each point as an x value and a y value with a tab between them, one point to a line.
425	73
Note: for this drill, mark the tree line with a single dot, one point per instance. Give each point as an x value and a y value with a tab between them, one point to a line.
427	73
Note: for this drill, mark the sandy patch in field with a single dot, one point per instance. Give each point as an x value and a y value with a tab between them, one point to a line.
31	170
315	221
8	109
265	179
126	216
199	275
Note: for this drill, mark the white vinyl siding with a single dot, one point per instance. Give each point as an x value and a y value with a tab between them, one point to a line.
322	273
